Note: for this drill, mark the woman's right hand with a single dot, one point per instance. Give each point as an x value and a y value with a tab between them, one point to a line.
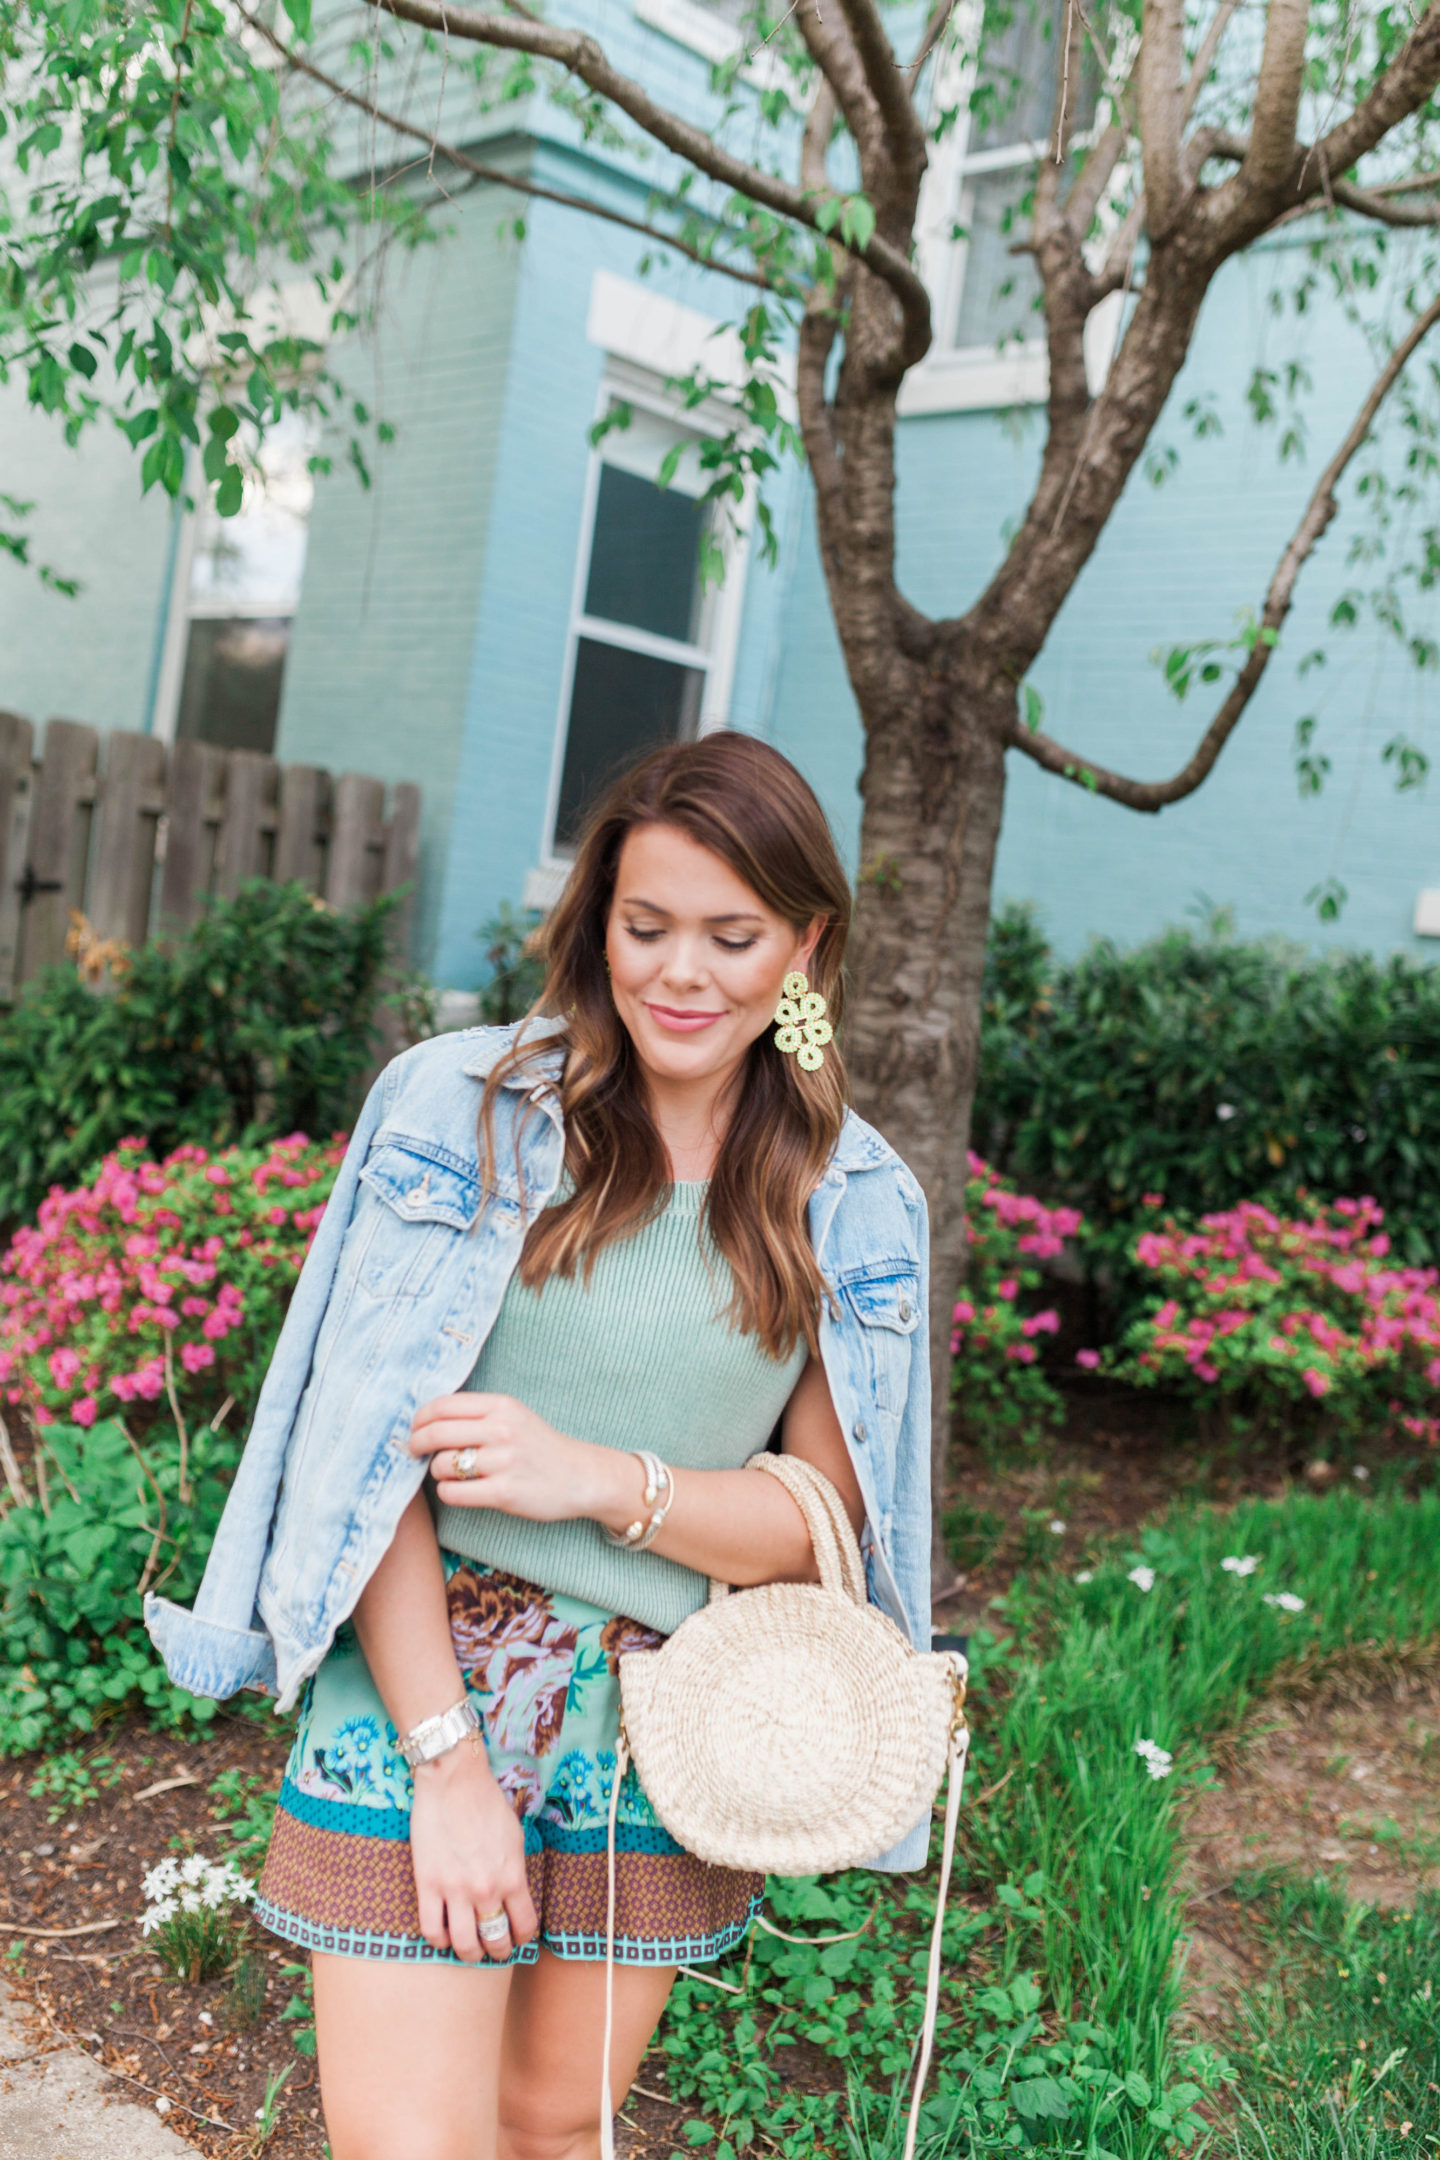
468	1851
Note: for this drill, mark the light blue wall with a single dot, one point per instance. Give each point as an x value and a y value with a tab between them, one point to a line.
92	657
1178	563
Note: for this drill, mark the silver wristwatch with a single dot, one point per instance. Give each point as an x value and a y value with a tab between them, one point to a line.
437	1735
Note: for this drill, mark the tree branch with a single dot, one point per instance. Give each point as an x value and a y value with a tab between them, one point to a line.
1271	153
496	173
930	37
1406	84
1159	92
1371	203
1153	795
582	56
905	137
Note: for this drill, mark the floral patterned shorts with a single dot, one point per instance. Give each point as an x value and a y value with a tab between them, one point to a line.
542	1670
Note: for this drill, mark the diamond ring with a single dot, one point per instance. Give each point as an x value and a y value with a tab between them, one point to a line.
494	1927
465	1463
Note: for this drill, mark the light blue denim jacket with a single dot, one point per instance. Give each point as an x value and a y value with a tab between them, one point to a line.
394	1301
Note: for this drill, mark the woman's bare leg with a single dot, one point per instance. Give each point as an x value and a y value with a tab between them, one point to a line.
409	2058
550	2058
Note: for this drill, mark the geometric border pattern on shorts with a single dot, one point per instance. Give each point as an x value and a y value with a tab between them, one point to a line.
413	1950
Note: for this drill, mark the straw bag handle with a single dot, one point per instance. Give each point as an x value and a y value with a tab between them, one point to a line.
959	1748
837	1554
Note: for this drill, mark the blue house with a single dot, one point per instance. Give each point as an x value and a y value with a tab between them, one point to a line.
510	611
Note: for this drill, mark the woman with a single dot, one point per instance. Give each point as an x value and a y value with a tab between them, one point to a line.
579	1271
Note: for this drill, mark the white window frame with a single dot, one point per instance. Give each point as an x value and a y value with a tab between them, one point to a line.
713	658
971	378
182	609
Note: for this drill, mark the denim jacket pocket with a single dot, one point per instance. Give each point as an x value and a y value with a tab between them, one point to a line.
886	1301
417	1200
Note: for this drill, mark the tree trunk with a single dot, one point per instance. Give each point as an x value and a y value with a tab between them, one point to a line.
933	790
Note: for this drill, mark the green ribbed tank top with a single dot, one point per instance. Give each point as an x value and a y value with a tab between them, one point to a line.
641	1355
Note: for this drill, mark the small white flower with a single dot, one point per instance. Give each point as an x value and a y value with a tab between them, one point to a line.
1286	1600
162	2105
1085	1575
1225	1111
1157	1760
1142	1577
1360	1472
1240	1563
1057	1528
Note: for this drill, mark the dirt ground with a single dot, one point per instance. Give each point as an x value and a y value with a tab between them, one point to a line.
1344	1781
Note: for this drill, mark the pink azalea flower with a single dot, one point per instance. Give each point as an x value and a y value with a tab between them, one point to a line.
1315	1381
195	1356
1090	1359
84	1411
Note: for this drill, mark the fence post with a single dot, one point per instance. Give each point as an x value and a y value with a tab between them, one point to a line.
59	843
247	835
301	842
17	749
401	862
194	805
357	841
131	800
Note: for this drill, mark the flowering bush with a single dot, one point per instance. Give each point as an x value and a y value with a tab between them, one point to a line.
997	1378
1268	1313
160	1282
137	1317
190	1912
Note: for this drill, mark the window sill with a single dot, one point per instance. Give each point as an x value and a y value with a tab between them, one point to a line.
976	380
694	27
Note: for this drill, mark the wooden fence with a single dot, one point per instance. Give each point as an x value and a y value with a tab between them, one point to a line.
137	834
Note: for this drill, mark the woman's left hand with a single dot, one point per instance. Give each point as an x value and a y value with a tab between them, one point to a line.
517	1463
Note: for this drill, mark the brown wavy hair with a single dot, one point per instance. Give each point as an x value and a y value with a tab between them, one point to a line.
746	803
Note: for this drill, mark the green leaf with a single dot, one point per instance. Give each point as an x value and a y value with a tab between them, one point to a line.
1138	2088
299	14
1041	2099
83	360
1034	706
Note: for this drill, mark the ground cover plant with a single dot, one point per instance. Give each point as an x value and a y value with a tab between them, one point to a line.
137	1317
261	1019
1341	2046
1205	1070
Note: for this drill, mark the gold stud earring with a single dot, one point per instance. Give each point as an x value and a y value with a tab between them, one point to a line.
801	1029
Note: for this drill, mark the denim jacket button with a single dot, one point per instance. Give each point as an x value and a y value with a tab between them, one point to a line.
905	1308
860	1433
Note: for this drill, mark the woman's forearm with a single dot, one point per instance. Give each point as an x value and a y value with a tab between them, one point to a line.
403	1623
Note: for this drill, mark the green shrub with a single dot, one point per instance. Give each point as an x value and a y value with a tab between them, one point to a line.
1204	1071
260	1020
72	1647
517	973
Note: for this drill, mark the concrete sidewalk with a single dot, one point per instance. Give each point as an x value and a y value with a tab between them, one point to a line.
63	2107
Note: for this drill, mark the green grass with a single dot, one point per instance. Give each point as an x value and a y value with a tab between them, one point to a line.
1341	2056
1061	1948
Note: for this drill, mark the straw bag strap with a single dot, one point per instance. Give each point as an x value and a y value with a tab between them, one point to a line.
837	1554
959	1748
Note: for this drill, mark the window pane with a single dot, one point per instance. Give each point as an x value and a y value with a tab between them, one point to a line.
999	289
645	557
233	672
622	705
1014	98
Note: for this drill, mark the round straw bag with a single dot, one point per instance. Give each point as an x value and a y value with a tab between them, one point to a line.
792	1729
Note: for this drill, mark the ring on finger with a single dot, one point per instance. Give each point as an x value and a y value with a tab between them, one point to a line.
494	1927
464	1464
